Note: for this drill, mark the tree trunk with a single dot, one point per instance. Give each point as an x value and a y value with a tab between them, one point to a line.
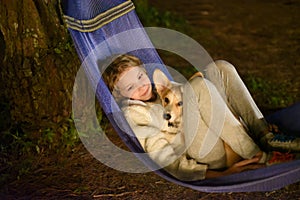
39	68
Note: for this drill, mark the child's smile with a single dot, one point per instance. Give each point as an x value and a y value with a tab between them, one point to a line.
134	83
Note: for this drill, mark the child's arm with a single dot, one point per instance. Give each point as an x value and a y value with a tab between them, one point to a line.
160	150
181	167
241	166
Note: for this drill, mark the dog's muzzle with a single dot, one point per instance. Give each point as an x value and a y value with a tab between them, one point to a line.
170	124
167	116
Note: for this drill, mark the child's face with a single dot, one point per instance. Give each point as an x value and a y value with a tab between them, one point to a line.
134	83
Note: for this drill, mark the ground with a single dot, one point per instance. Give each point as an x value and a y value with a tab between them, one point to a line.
261	38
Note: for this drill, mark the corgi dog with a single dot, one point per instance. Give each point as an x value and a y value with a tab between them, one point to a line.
170	94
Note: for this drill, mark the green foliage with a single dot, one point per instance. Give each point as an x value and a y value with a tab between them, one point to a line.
151	16
91	126
18	142
62	47
63	138
268	94
81	189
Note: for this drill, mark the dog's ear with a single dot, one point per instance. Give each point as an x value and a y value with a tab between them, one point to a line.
161	81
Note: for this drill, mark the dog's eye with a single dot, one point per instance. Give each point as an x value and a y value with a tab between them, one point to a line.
180	103
167	100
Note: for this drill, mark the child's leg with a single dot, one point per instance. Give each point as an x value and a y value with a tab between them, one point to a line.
234	92
208	115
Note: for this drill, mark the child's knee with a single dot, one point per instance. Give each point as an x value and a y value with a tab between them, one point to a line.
225	66
198	87
197	82
193	88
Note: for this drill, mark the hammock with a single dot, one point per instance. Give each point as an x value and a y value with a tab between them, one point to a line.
100	28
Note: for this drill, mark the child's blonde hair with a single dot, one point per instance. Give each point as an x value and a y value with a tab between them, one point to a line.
116	66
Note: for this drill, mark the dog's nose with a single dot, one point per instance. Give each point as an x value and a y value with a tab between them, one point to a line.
167	116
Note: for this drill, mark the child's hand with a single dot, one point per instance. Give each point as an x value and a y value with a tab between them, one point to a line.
245	165
258	155
238	167
273	128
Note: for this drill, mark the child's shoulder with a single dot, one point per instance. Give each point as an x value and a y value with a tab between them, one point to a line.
135	107
139	111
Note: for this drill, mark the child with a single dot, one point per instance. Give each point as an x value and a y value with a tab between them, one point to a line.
129	83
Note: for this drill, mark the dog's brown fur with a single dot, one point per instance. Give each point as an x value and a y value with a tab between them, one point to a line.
171	97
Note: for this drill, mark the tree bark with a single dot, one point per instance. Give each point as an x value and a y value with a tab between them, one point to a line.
39	68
